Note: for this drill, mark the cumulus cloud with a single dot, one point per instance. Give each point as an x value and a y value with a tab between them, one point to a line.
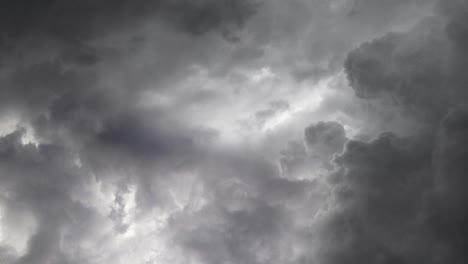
398	198
418	69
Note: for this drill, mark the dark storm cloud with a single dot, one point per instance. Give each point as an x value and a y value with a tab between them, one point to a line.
76	21
34	32
420	70
134	138
35	86
400	199
47	53
450	207
380	190
109	166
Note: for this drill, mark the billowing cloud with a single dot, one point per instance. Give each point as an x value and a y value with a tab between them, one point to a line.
399	198
325	139
210	131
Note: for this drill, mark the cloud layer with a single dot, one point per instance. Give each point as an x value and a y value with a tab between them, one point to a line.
233	131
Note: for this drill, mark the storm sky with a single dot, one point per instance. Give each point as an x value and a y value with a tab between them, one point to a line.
233	132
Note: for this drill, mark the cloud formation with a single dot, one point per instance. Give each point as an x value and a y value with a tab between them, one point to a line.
399	197
233	131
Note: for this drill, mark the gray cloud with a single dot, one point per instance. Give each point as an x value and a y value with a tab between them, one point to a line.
399	199
79	21
419	69
325	138
88	134
380	191
129	104
449	211
39	179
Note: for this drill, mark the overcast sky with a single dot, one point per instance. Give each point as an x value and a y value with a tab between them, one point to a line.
233	132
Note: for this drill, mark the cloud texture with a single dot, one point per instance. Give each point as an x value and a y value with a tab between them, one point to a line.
233	131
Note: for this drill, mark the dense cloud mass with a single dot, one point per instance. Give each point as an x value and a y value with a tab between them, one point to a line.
233	131
77	21
411	204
